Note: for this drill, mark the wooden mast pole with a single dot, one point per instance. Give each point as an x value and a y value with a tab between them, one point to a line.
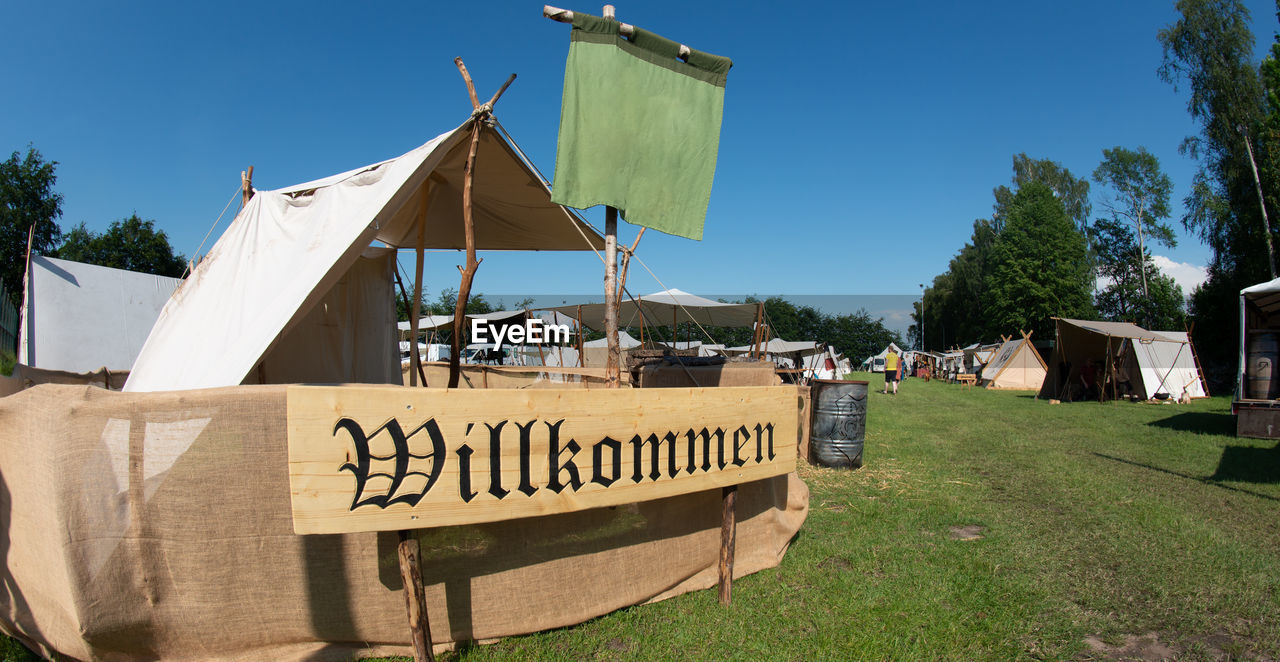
479	114
611	368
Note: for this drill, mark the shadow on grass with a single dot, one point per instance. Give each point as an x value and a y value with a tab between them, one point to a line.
1199	422
1199	479
1249	464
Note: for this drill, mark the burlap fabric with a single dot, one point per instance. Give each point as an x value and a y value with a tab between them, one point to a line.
157	526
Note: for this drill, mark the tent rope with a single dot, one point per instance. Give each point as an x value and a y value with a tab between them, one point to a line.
238	192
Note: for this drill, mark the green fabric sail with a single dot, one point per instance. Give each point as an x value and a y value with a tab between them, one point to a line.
639	129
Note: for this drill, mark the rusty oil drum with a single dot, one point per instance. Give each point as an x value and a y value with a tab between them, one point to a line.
839	422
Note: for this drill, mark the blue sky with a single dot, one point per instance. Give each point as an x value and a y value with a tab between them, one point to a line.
860	140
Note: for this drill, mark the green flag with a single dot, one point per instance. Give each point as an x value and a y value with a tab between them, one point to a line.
639	129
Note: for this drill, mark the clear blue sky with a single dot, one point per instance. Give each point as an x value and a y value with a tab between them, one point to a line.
860	140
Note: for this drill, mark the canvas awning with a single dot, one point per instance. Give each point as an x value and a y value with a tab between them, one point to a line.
288	248
665	308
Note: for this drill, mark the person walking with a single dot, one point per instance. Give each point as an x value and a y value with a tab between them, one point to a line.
892	364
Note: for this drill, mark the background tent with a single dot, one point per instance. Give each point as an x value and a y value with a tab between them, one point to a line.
1144	362
81	317
287	267
666	308
1016	365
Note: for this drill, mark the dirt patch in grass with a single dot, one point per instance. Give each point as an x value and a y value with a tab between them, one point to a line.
969	532
836	563
1147	648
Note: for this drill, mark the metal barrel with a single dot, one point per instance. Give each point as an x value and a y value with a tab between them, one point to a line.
1261	365
839	422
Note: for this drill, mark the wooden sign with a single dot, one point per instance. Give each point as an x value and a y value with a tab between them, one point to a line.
373	458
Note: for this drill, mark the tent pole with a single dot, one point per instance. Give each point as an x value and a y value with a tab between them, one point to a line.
755	336
611	369
415	306
582	362
421	373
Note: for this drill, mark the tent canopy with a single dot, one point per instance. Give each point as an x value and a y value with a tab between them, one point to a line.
287	250
665	307
1151	362
778	346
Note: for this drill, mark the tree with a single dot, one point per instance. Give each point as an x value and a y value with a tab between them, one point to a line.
1125	297
27	200
1072	191
130	243
1140	195
1040	265
1209	52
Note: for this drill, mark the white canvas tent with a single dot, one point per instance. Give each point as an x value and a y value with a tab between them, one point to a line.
1147	362
290	265
1015	365
877	361
81	317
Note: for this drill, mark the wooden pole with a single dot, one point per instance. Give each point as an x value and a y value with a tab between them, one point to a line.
415	306
624	29
728	540
582	359
246	186
422	375
611	366
415	598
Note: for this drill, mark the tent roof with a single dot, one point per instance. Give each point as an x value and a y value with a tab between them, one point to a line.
662	308
1265	296
287	248
1116	329
780	346
625	341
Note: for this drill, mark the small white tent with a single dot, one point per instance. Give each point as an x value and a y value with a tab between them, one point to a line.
1016	365
286	289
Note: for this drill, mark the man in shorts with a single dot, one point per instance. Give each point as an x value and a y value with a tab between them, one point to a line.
892	368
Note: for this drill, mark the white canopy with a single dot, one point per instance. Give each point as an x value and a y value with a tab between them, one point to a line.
1265	299
665	308
81	317
779	346
287	250
625	341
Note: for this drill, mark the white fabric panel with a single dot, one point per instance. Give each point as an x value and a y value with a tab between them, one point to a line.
1168	367
81	317
348	336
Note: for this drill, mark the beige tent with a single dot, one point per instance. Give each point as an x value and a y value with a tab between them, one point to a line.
297	273
1127	359
1016	365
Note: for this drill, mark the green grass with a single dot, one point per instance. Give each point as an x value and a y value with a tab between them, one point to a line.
1110	522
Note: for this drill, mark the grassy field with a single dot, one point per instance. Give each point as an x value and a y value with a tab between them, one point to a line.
990	525
1103	531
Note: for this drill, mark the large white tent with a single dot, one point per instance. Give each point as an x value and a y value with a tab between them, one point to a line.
81	317
286	291
1148	362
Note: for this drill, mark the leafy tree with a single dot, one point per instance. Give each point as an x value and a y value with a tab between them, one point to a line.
1209	52
1126	297
27	200
1072	191
1140	195
130	243
1040	265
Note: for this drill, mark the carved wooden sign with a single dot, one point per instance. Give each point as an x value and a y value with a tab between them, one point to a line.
373	458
